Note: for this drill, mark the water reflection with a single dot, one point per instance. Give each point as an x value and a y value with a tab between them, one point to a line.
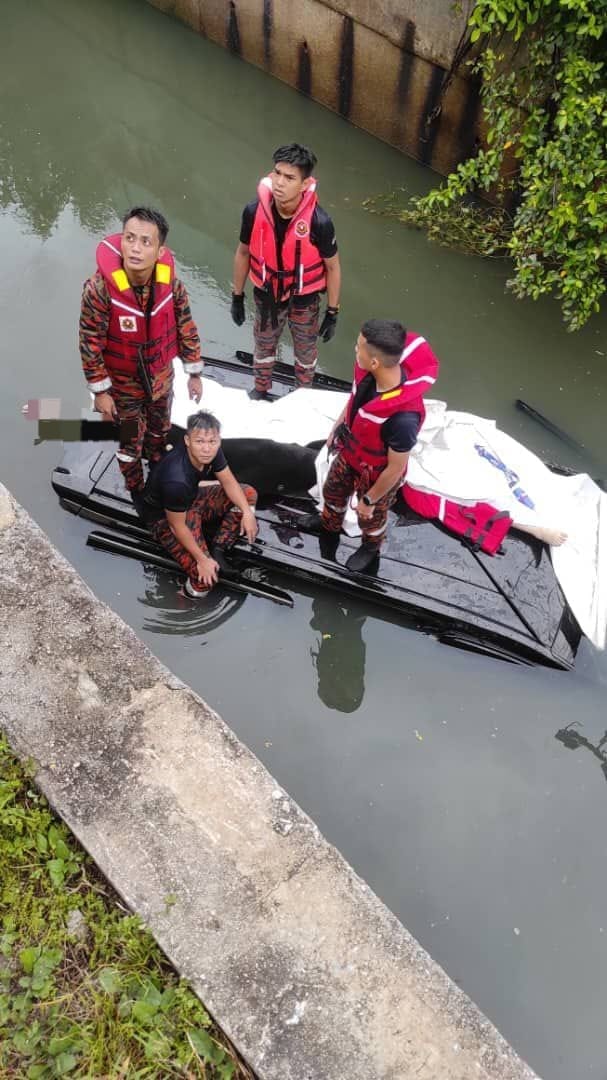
573	739
339	653
175	613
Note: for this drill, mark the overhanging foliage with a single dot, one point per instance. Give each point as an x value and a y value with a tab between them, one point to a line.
544	92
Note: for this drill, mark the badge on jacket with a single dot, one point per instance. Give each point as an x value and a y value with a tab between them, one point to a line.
128	324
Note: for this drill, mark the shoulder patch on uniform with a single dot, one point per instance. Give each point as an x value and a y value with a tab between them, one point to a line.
301	227
128	324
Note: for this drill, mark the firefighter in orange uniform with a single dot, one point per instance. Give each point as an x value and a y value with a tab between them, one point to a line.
135	319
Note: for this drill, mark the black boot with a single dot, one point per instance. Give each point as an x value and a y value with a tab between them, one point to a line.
311	523
363	558
137	501
258	395
219	553
328	543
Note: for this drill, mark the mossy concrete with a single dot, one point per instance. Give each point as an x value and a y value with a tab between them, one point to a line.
393	67
299	962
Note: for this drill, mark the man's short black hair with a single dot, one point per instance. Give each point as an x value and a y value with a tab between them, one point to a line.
387	336
203	421
147	213
296	154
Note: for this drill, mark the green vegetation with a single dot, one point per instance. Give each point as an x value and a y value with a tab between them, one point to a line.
95	1000
543	65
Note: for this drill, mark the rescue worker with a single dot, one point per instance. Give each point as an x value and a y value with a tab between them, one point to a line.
135	318
192	488
374	434
289	250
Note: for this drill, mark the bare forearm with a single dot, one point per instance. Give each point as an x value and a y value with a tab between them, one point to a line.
333	269
385	482
241	269
235	493
187	541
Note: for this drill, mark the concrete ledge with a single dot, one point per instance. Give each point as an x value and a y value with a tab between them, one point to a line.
298	961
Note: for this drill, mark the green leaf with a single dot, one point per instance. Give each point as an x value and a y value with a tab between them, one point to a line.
41	843
143	1012
109	980
56	869
64	1063
27	958
61	1044
26	1041
205	1046
61	850
148	991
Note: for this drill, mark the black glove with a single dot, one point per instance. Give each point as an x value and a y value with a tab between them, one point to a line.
237	308
329	324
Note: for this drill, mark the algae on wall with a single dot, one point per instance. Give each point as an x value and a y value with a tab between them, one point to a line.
392	67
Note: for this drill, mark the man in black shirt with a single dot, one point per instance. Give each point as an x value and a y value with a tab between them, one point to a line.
288	248
191	487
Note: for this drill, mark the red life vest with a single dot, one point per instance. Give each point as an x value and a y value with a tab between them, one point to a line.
303	268
364	447
135	336
481	526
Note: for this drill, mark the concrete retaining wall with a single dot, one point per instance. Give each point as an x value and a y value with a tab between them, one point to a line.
299	962
383	64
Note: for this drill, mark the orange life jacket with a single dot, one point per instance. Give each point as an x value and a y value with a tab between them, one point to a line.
139	343
363	446
303	269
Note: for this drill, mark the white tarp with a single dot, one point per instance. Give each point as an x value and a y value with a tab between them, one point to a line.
463	457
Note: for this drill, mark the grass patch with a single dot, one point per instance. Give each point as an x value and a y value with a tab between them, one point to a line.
84	989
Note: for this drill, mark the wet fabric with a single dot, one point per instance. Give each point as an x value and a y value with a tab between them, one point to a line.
342	482
303	322
144	429
211	512
482	526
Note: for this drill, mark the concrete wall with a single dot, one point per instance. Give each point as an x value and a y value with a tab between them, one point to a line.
382	64
299	962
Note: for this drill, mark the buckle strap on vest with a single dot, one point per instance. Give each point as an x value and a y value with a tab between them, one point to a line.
476	536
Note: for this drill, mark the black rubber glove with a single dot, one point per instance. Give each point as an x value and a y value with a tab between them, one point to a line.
329	324
237	308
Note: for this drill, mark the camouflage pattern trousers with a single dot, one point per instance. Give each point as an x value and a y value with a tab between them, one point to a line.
144	426
343	480
213	509
303	323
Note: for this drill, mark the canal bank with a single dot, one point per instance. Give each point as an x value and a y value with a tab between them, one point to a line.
297	960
